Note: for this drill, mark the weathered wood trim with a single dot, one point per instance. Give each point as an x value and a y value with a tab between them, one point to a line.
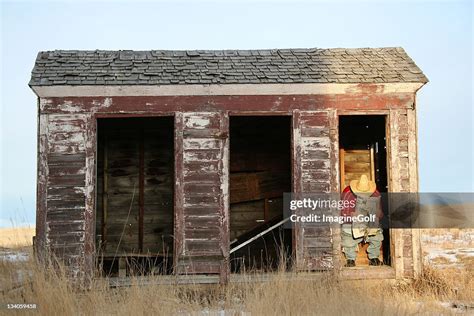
341	112
41	187
178	192
225	200
296	154
396	237
335	184
224	89
368	273
90	189
293	164
140	105
124	114
413	174
412	150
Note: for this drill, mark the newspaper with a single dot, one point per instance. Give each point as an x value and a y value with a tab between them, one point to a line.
366	206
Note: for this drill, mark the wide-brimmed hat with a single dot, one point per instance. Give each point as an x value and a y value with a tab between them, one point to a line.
363	185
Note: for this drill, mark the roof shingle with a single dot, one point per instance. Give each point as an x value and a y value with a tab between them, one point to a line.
164	67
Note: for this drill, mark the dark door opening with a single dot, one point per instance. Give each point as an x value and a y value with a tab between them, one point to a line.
362	150
134	201
260	172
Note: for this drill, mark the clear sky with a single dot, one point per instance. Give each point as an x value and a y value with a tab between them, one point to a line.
436	34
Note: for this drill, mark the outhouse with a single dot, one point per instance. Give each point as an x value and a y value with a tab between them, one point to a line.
176	162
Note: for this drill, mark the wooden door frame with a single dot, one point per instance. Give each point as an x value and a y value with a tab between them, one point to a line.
127	115
394	236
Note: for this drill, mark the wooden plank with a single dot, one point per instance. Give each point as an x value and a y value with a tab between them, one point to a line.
204	162
312	153
335	185
90	201
178	252
164	105
396	237
297	185
413	176
342	169
224	270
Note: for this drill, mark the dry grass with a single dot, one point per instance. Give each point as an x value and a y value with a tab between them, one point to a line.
16	237
55	295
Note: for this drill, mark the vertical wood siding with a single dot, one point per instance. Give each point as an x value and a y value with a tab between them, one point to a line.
202	168
404	178
313	174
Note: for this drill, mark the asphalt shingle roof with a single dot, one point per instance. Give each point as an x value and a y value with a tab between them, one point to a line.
161	67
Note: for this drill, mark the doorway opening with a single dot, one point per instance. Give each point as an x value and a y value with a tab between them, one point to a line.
362	150
260	172
134	200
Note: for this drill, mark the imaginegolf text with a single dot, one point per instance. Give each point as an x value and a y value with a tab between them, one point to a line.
314	218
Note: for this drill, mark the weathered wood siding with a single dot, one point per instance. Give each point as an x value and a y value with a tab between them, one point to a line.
404	178
66	171
202	199
66	180
314	173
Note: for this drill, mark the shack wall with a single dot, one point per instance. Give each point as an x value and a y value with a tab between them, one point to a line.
67	156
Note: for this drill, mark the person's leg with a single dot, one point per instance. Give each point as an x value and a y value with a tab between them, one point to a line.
349	244
375	241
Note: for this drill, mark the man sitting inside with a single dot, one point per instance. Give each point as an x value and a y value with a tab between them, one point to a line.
365	199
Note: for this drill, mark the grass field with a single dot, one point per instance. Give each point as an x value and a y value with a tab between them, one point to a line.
438	292
16	237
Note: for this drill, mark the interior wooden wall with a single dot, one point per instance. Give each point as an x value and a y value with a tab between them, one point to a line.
259	170
355	163
133	151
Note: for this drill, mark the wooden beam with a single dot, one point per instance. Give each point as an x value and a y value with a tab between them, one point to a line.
178	249
140	105
41	187
413	174
395	186
337	183
342	169
226	89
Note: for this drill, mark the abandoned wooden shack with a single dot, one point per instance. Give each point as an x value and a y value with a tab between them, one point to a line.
175	162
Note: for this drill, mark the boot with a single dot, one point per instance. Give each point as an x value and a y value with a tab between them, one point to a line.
375	262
